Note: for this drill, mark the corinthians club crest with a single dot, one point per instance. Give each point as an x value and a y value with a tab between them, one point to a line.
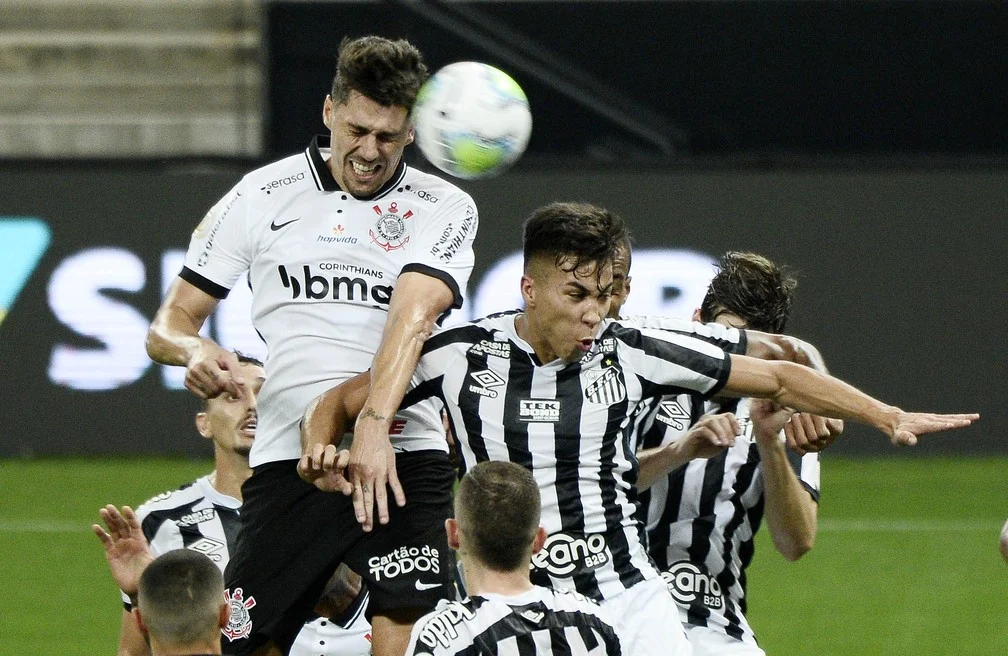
240	623
390	230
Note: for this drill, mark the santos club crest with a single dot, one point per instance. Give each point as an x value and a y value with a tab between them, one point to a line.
240	623
390	231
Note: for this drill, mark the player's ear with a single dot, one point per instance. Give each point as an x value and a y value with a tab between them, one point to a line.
528	290
410	134
539	540
451	529
203	425
223	615
139	620
327	112
696	315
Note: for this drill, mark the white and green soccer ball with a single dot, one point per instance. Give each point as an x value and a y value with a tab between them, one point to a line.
472	120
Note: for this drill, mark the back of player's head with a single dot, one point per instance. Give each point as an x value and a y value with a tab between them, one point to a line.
386	71
497	509
753	287
573	234
180	596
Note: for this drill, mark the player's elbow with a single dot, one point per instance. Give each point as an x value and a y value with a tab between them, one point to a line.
794	549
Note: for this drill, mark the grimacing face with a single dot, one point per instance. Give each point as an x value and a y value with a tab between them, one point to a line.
367	141
231	421
564	309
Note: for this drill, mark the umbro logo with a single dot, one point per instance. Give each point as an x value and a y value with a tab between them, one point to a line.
274	226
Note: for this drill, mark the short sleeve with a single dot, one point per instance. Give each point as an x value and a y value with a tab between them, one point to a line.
220	249
445	245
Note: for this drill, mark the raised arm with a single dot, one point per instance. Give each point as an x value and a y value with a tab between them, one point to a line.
802	388
174	338
708	437
416	304
326	420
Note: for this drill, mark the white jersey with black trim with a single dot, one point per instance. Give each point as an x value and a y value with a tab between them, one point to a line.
322	266
199	517
538	622
702	517
570	425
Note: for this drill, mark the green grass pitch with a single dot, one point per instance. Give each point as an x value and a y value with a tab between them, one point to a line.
906	560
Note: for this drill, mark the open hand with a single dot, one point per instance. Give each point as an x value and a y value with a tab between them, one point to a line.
324	467
126	548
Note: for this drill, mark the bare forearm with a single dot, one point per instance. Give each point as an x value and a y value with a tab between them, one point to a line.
658	461
394	364
792	514
173	337
804	389
330	416
767	346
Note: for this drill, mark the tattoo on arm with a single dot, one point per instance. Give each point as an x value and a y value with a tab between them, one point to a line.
371	414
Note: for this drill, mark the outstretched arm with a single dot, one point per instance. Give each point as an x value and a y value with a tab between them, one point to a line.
126	548
807	390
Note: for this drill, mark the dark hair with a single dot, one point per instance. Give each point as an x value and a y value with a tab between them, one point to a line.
497	508
752	287
180	595
388	72
575	233
242	359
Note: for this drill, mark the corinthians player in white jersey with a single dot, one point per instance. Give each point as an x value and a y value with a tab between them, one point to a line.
556	389
352	257
203	516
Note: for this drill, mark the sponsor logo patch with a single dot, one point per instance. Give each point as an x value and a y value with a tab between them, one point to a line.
539	410
282	182
671	413
488	347
197	517
691	585
240	622
485	383
440	629
212	549
405	560
562	554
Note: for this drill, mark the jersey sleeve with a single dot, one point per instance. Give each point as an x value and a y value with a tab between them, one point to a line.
806	467
220	249
445	245
724	337
673	363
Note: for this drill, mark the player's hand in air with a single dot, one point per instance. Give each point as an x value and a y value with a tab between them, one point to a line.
709	436
213	371
372	470
768	420
808	433
904	427
324	467
126	548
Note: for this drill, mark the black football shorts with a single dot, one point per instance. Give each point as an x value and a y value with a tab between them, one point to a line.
293	536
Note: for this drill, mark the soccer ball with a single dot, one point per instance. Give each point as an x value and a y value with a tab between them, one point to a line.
472	120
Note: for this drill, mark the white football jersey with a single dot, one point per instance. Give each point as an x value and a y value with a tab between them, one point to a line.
322	267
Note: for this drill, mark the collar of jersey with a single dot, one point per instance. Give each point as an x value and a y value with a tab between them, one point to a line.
328	182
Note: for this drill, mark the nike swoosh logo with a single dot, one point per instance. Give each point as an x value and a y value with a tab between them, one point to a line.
274	226
426	586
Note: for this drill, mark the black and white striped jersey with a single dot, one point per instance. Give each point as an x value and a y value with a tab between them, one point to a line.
570	425
197	516
539	622
701	518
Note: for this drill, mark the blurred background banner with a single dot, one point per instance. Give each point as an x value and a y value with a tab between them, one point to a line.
901	283
865	144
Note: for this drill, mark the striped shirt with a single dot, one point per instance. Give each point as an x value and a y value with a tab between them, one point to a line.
539	622
197	516
570	424
701	518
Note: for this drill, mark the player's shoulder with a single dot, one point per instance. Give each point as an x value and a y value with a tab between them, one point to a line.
433	189
181	497
486	335
289	175
572	600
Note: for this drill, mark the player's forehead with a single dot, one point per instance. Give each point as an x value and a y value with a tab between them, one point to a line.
361	112
590	275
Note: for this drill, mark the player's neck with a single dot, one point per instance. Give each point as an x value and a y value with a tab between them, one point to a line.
480	580
526	330
208	649
231	472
